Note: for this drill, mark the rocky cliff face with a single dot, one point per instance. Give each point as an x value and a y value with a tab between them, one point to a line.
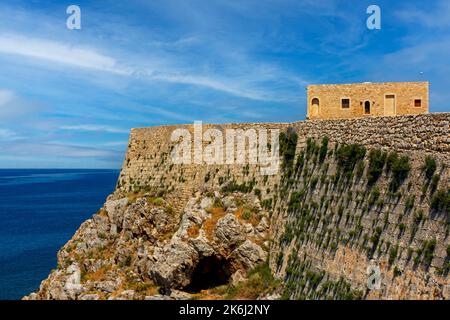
359	209
138	247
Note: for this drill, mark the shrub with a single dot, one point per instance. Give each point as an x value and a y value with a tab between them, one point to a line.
428	251
397	272
434	183
288	144
126	262
393	254
311	148
259	281
409	254
409	204
102	235
280	259
314	181
374	195
267	203
375	238
323	149
158	201
247	214
400	170
429	167
390	160
360	168
377	159
418	217
300	162
347	157
441	201
296	198
218	203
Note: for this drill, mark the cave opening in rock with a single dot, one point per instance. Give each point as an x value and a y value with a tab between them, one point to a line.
210	272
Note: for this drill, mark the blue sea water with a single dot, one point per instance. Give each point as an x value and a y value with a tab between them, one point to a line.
40	210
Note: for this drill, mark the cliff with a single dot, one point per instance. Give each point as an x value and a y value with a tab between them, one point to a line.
359	209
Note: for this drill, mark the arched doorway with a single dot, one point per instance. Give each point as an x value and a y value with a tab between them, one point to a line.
367	107
315	107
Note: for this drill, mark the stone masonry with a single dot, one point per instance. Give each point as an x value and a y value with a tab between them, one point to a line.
337	101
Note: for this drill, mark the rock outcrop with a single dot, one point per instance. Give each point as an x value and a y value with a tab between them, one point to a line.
137	247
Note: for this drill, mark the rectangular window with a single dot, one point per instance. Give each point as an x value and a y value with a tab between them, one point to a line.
345	103
418	103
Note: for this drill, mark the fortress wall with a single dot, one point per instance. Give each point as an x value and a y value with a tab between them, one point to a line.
148	160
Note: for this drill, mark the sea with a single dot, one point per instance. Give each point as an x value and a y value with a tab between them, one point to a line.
40	210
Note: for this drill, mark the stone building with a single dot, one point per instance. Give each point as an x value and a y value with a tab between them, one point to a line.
337	101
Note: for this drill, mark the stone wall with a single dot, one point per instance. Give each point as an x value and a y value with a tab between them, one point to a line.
325	244
330	97
148	162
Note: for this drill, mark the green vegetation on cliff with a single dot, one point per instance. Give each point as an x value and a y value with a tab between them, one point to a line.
337	208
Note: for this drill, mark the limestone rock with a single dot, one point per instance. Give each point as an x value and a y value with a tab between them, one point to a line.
229	232
238	277
248	255
151	244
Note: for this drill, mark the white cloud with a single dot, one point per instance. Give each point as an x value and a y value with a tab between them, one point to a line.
168	114
5	133
37	149
437	16
115	143
93	127
13	106
246	85
58	52
6	96
8	135
166	71
212	83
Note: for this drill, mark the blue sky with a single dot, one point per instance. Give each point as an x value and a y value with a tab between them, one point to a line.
68	98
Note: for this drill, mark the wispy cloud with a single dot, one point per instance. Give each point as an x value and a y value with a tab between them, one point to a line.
13	106
115	143
213	83
168	114
94	128
8	135
436	14
63	150
6	96
91	59
58	52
